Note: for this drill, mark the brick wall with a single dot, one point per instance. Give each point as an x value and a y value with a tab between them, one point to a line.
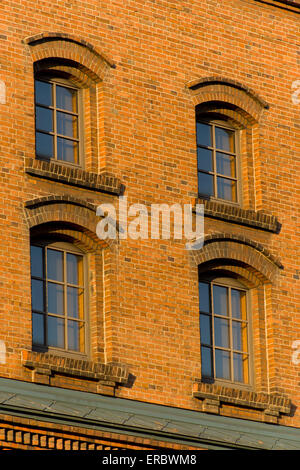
144	66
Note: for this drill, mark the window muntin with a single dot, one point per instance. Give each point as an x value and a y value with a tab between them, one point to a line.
224	332
58	298
217	161
57	121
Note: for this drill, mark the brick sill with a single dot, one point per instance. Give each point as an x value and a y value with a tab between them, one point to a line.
237	215
271	406
44	367
74	176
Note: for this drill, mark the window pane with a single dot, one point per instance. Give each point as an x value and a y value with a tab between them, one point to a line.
75	336
37	262
227	189
221	329
238	303
205	184
37	295
66	124
44	119
225	139
55	265
204	134
239	336
220	298
225	164
74	269
67	150
75	302
204	296
43	93
56	332
240	367
38	333
44	145
66	98
206	362
205	329
204	159
222	359
55	298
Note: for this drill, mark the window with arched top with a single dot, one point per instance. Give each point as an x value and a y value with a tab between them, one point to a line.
59	297
218	160
225	331
58	120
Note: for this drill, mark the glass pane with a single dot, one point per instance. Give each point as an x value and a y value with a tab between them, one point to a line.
220	298
37	295
43	93
238	304
44	119
55	265
205	184
67	150
240	367
56	332
75	336
206	362
44	145
205	329
66	98
222	359
204	296
225	164
239	336
204	134
55	298
36	257
66	124
221	329
225	139
75	302
74	269
204	159
227	189
38	333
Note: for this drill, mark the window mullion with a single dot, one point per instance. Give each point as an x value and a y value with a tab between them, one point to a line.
65	300
54	120
230	334
212	327
214	160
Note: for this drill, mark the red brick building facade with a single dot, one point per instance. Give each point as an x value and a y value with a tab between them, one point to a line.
163	102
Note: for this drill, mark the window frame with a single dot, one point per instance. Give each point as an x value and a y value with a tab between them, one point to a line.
230	283
222	123
55	81
66	248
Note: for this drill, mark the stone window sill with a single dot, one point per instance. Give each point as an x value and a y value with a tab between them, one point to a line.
235	214
74	176
270	406
44	367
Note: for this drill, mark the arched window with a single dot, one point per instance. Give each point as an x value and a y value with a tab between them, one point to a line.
59	297
217	157
58	120
225	331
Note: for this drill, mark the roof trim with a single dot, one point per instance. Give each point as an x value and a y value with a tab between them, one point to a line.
119	415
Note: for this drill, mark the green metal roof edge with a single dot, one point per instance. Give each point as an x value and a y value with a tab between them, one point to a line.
136	418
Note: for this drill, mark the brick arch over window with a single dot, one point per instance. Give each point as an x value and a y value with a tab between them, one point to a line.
229	97
72	51
239	255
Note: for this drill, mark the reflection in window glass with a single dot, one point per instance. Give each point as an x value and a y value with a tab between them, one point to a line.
57	297
223	332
